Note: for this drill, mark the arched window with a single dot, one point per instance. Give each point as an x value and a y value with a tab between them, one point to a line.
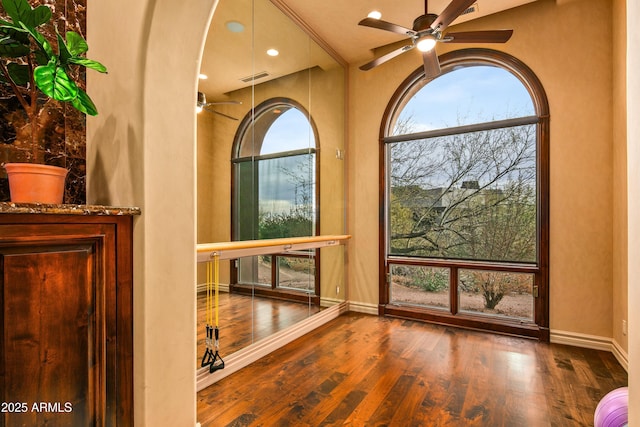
274	192
466	196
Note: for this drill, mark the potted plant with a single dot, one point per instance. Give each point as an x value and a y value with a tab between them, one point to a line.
31	66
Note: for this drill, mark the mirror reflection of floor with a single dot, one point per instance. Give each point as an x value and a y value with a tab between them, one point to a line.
244	319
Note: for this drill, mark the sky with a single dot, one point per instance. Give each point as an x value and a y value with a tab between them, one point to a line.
291	131
464	94
285	182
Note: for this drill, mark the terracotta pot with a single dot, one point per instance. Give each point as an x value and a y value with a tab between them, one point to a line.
34	183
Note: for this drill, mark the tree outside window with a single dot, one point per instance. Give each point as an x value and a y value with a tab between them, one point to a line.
462	156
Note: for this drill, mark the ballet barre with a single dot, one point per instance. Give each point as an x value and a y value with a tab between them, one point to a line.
245	248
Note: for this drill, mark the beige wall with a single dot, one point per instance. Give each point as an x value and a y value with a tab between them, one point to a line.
633	203
577	78
141	151
214	139
619	189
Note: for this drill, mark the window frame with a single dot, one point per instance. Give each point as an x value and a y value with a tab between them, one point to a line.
539	328
244	128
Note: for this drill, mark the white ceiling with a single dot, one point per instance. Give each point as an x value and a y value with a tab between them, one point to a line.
227	56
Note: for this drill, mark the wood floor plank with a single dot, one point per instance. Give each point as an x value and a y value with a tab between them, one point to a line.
387	409
244	319
362	370
306	402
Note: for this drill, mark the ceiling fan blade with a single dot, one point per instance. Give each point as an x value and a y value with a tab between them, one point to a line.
450	13
219	113
223	103
387	26
491	36
384	58
431	64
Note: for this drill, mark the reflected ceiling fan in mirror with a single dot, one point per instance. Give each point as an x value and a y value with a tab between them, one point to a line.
428	30
202	104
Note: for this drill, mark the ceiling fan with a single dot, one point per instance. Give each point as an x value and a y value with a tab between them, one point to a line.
202	104
428	30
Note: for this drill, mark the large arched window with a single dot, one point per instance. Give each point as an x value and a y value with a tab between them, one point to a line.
274	194
466	196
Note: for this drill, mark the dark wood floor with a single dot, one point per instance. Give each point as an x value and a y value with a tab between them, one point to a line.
244	319
362	370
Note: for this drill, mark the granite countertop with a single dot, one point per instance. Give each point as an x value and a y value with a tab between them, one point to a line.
39	208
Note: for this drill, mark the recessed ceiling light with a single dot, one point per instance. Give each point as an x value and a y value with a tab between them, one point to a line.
234	26
273	52
203	76
374	14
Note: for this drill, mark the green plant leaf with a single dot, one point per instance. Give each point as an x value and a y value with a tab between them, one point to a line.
17	10
41	58
15	32
21	11
76	44
54	82
84	104
13	49
63	51
40	40
40	15
89	63
19	73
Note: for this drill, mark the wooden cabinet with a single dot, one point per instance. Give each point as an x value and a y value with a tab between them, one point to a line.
66	326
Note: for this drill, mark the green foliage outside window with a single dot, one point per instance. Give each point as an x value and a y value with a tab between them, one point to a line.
295	223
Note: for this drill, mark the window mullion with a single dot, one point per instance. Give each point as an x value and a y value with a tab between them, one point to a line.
478	127
453	290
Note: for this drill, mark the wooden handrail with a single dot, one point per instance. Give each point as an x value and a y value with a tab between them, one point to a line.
244	248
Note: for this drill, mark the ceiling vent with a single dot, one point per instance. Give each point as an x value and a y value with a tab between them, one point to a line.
257	76
471	9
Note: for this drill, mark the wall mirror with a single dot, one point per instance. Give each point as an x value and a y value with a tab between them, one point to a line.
270	165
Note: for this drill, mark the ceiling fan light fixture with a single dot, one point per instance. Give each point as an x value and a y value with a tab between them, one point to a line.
426	43
374	14
427	30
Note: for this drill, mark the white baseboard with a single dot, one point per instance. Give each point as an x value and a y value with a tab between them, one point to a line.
620	355
259	349
580	340
222	287
363	307
591	341
330	302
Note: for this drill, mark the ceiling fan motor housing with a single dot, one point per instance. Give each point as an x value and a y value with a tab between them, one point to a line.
423	22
